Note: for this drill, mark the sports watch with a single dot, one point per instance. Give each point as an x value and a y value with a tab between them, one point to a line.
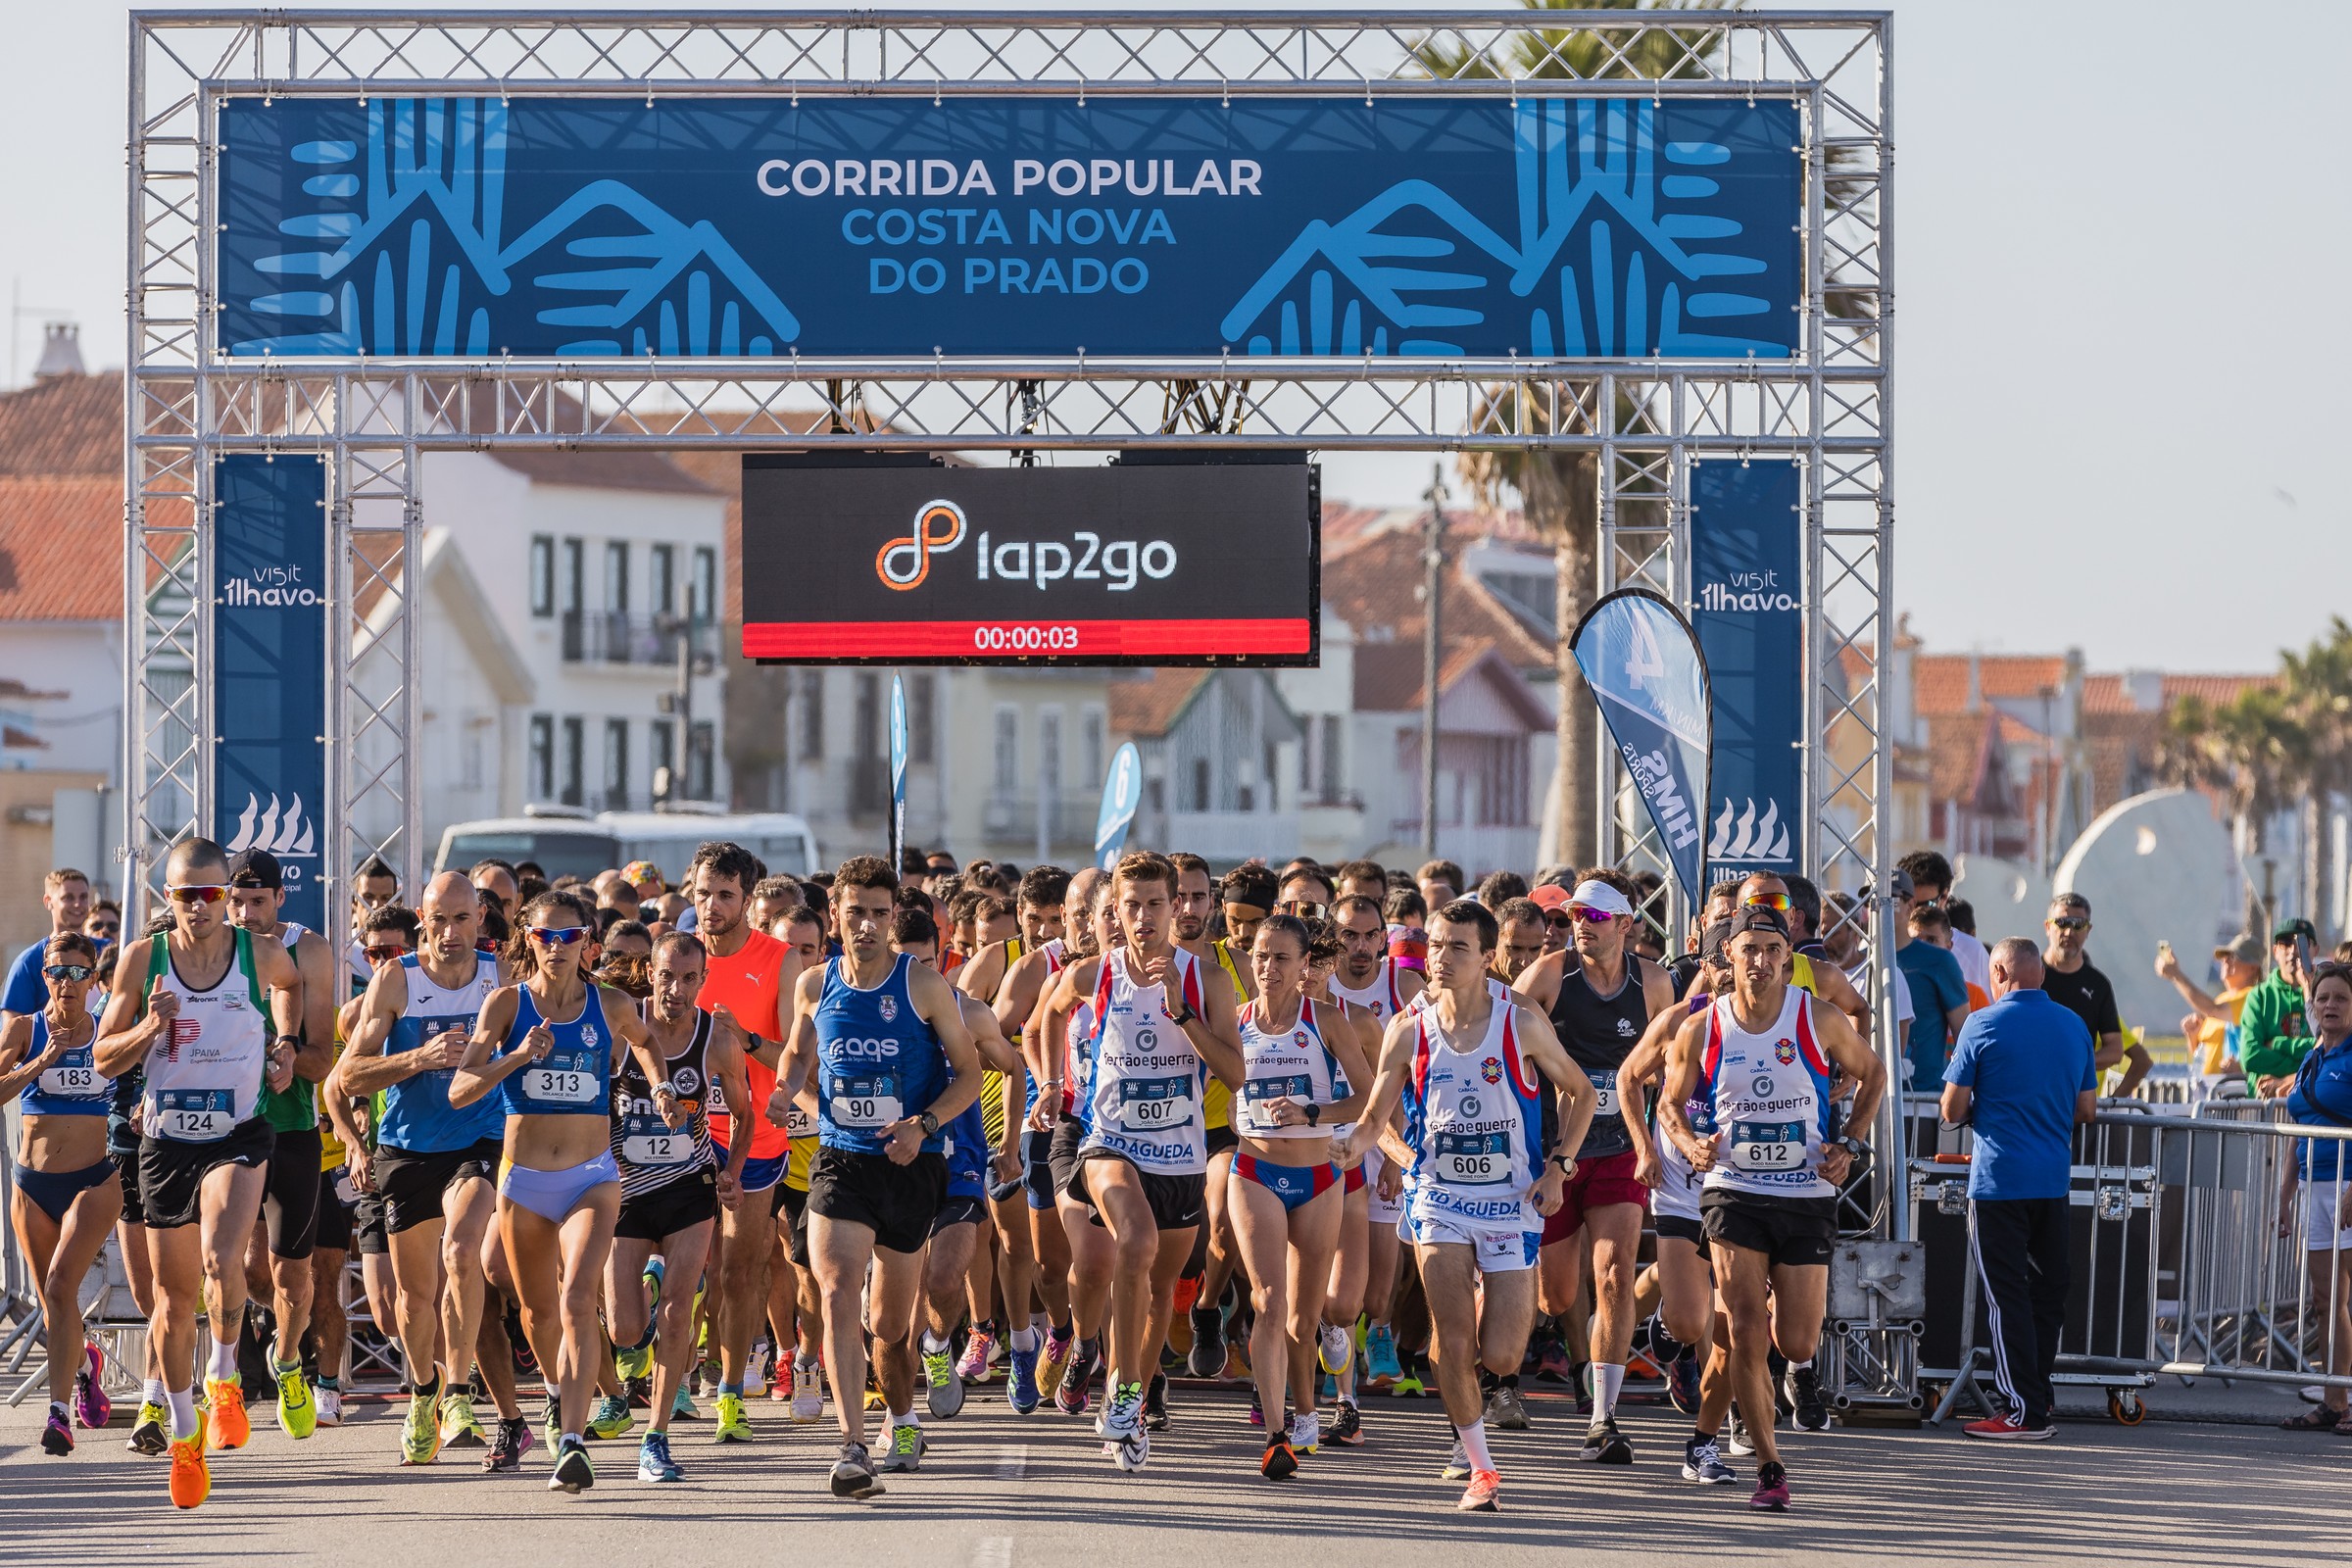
928	1123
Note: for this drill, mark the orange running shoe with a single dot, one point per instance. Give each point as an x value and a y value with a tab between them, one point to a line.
191	1477
229	1426
1479	1495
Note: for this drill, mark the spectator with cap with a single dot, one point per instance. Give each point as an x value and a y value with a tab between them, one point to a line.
1938	993
2273	1028
2074	981
2022	1075
2211	1025
644	879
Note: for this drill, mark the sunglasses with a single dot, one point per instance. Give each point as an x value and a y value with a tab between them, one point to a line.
1766	901
1561	919
385	954
1306	908
208	892
1589	915
2069	923
68	971
558	936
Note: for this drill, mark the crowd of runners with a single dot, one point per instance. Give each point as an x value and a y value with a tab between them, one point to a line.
895	1138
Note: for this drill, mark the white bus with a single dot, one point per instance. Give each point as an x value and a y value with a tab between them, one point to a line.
574	842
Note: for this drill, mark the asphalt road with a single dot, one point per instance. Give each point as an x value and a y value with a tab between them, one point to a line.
1003	1491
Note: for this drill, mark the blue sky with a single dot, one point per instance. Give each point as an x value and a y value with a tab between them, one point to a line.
2118	375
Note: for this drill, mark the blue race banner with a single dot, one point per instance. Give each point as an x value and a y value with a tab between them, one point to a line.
1644	665
897	767
270	639
1122	793
753	226
1747	606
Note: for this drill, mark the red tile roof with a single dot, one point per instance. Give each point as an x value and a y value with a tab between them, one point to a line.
64	425
1147	706
2112	694
1939	681
1373	583
61	549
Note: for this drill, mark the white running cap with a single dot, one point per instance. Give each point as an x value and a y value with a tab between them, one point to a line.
1598	895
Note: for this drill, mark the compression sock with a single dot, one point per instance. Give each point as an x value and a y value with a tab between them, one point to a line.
182	1402
224	1367
933	1343
1024	1339
1608	1377
1474	1444
152	1392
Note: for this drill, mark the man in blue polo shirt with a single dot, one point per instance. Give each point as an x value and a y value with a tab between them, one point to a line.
2021	1073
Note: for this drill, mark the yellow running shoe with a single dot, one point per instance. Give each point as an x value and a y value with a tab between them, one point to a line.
732	1427
609	1418
297	1412
151	1435
191	1478
419	1432
460	1428
230	1427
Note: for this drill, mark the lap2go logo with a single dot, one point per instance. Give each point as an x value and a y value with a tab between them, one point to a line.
940	526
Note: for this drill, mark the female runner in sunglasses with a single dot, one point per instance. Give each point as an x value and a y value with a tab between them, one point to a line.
69	1192
548	1046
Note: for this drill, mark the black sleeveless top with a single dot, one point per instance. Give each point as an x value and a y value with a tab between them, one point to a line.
1598	1033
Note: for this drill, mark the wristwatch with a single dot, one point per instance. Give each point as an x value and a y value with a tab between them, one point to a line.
1853	1145
666	1087
1566	1162
1180	1020
928	1123
1315	1114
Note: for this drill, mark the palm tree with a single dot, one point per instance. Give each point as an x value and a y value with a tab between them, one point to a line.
1560	492
2318	694
2249	751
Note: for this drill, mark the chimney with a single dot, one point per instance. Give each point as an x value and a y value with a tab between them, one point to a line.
1975	682
2145	689
61	352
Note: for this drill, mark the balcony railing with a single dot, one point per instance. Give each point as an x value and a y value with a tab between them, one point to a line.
612	637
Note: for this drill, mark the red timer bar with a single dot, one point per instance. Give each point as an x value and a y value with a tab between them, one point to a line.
1021	639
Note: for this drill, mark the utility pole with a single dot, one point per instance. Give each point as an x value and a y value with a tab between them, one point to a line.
1433	568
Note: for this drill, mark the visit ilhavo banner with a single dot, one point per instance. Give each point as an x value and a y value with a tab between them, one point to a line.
1643	663
752	226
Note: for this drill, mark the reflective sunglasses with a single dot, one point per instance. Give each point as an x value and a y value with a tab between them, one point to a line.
1304	909
2069	922
1589	915
1767	900
385	954
194	893
558	936
68	971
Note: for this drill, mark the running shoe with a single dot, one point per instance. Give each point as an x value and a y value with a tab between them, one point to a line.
942	1384
1605	1445
854	1473
1077	1371
1682	1382
148	1434
1703	1462
228	1425
1053	1356
330	1403
1306	1430
1552	1363
1020	1383
1807	1408
1458	1463
1380	1357
979	1351
419	1432
633	1361
1334	1349
732	1427
1742	1444
1408	1384
787	1379
1479	1495
92	1409
653	1462
574	1472
1280	1464
1237	1361
461	1428
1505	1411
1123	1434
808	1391
297	1413
2010	1428
191	1478
1258	1411
1156	1403
57	1437
506	1448
551	1430
904	1444
1346	1427
1772	1487
609	1418
655	1275
1206	1357
681	1405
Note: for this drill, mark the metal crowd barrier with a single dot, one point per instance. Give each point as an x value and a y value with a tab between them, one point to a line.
2191	1255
